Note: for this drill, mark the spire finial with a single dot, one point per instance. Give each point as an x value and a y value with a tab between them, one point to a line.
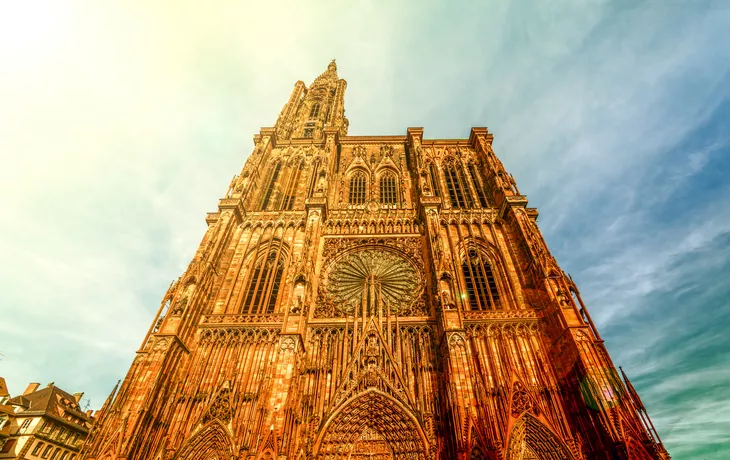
332	66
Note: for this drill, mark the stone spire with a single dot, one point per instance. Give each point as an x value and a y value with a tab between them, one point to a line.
311	109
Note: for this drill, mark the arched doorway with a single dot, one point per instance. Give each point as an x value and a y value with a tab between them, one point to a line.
210	443
372	426
530	439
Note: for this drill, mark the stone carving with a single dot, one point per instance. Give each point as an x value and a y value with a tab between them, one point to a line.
240	319
180	306
288	343
243	334
372	279
521	401
446	301
410	246
359	151
220	408
456	340
322	183
160	345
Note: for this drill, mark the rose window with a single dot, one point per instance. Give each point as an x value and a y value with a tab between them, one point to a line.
372	280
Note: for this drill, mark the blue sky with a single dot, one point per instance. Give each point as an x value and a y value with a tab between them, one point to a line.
123	122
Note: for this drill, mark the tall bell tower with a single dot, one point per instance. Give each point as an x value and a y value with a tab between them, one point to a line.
311	110
371	297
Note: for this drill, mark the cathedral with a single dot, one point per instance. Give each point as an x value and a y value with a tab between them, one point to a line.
371	298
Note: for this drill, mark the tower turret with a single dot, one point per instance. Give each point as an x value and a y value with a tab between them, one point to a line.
312	109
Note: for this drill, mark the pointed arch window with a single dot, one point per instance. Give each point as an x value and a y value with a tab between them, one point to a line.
388	189
314	178
435	179
270	187
292	186
481	287
314	113
264	282
358	188
456	186
478	185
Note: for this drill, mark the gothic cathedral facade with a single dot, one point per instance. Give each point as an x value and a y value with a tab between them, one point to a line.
371	297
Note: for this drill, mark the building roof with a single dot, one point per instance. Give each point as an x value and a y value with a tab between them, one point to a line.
4	407
51	401
21	401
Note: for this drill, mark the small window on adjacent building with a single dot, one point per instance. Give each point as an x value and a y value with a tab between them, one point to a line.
26	423
8	445
64	456
55	453
37	448
46	427
47	451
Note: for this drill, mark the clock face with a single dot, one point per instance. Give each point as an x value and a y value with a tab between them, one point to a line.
371	278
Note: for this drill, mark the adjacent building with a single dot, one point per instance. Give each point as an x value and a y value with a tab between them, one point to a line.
45	423
6	414
371	297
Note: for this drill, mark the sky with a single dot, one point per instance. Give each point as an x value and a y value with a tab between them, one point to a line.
122	123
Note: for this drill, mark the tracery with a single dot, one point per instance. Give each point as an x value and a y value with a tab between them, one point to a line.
478	185
358	188
481	287
458	191
372	279
262	288
388	190
271	184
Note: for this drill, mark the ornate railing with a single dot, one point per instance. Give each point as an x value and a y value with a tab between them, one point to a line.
502	314
240	319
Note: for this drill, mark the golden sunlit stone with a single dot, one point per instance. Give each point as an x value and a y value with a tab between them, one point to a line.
371	297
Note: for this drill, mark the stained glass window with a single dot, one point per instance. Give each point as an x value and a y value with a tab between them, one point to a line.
388	192
481	287
357	188
262	288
